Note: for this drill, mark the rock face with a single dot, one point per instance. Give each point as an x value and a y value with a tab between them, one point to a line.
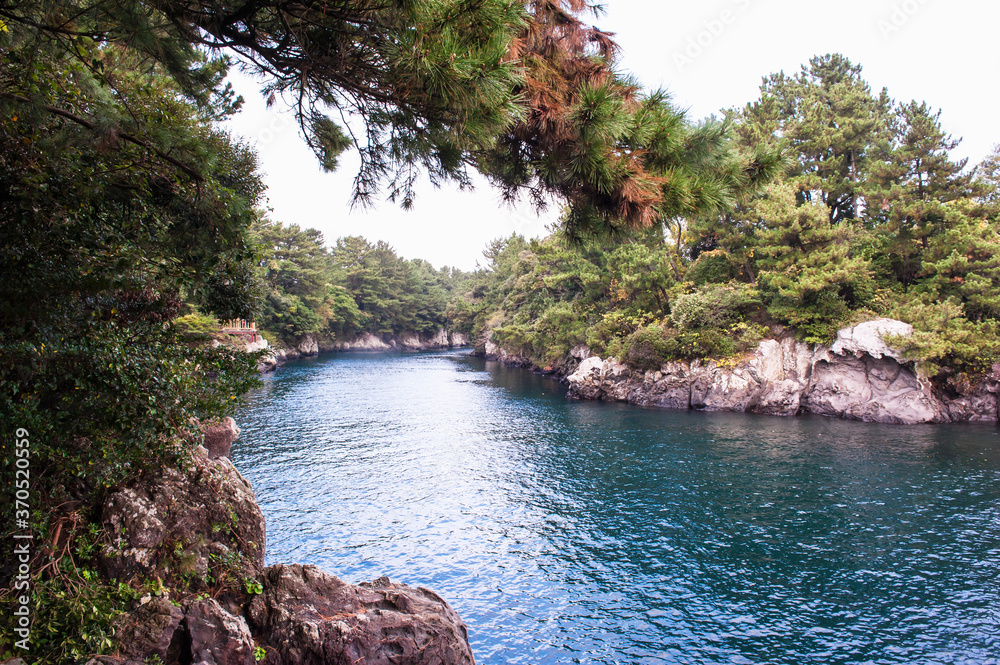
859	377
151	629
309	346
219	437
196	522
307	617
216	636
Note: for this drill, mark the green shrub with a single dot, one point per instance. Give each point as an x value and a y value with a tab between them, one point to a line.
646	348
701	343
714	267
944	342
714	305
197	326
604	338
559	329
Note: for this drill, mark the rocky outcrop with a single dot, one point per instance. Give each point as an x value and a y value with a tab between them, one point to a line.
216	636
307	617
199	532
493	351
363	342
858	377
219	437
310	346
185	524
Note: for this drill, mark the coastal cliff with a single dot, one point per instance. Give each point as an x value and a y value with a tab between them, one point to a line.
858	377
199	530
309	345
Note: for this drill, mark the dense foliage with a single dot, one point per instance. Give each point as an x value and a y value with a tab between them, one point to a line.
869	216
354	287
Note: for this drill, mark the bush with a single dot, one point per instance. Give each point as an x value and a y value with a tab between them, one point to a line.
605	337
646	348
714	305
559	329
713	267
197	326
944	342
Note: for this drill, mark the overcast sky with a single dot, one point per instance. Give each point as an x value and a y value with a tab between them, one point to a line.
709	56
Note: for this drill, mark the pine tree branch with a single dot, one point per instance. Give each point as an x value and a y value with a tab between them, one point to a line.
63	113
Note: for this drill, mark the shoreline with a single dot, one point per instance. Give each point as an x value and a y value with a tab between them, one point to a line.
858	377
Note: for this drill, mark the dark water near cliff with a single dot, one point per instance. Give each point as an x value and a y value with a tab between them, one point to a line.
568	532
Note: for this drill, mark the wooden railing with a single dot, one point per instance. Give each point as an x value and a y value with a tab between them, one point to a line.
240	327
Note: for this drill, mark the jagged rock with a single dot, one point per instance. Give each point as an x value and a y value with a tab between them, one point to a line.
308	617
457	339
866	339
871	389
438	341
308	346
363	342
218	637
580	352
259	345
204	521
859	377
219	437
781	398
149	629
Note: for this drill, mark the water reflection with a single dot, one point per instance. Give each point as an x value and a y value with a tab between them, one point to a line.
584	532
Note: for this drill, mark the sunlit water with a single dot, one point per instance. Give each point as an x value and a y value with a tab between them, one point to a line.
575	532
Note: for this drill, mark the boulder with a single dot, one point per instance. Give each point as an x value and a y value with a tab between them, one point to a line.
192	522
149	629
867	339
308	617
216	636
219	437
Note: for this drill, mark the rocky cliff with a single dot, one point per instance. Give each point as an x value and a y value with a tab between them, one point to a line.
858	377
312	346
200	532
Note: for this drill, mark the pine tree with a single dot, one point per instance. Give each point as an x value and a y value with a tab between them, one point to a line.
806	264
909	194
830	124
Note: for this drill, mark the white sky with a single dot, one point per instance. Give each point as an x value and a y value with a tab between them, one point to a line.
709	55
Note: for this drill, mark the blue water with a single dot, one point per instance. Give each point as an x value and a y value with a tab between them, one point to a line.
578	532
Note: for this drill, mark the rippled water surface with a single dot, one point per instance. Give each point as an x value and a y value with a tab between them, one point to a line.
569	532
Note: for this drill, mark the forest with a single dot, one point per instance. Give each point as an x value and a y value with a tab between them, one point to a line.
128	217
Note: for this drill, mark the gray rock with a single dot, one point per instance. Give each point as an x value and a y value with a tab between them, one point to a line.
205	510
218	637
859	377
308	346
307	617
867	339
